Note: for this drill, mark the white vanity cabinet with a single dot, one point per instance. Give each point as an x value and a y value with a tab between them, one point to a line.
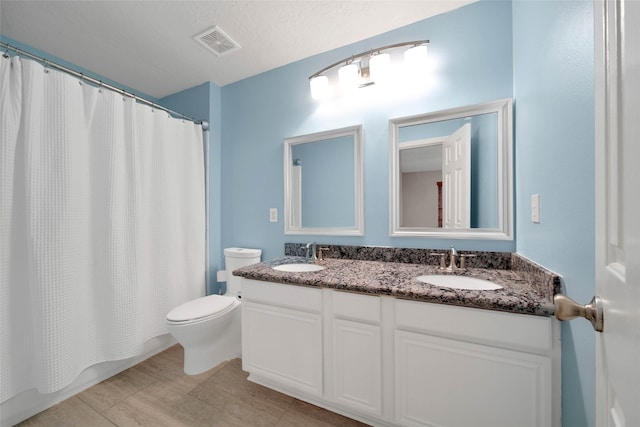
457	366
389	362
282	335
356	354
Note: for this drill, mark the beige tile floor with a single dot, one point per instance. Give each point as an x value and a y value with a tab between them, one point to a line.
158	393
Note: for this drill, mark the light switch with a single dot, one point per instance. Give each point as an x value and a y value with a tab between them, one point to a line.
273	215
535	208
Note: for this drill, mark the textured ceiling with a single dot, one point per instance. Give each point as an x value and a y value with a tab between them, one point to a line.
148	45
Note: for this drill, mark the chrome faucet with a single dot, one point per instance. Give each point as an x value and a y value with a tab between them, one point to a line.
453	257
312	254
456	259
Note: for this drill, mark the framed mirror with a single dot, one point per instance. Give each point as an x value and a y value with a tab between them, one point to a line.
323	181
451	173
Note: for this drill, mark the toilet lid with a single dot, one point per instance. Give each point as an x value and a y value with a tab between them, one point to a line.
201	307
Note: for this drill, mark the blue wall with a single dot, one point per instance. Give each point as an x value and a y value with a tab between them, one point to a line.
545	63
472	53
553	46
328	182
484	176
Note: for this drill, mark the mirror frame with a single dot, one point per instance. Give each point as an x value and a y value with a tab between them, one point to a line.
504	231
358	228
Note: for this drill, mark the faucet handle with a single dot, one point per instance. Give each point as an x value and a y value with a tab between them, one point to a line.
320	254
463	259
443	263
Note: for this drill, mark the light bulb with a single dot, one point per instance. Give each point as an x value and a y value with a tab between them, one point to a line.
319	87
416	57
379	67
349	77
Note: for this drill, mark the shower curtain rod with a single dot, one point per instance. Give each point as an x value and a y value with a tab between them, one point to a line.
100	83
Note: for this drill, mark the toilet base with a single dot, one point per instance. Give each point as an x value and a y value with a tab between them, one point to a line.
223	343
202	358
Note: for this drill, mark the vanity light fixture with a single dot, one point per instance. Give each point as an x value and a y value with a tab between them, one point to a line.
367	68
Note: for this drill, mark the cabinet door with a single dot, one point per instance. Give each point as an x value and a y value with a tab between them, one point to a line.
283	346
446	383
357	366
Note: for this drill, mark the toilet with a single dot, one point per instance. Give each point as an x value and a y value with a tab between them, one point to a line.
209	327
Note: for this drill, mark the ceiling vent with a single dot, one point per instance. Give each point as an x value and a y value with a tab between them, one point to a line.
217	41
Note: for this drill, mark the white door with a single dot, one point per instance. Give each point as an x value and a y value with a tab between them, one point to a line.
456	179
618	211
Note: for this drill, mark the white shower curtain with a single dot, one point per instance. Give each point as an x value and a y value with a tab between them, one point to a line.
102	225
296	196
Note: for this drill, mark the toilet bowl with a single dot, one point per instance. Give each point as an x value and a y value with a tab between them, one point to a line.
208	328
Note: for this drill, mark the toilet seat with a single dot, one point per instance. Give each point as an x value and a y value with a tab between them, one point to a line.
200	309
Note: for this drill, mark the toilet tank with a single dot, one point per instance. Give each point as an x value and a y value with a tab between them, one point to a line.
235	258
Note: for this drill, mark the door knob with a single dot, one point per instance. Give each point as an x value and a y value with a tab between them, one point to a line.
567	309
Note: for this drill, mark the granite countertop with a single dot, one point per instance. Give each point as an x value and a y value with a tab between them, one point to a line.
518	295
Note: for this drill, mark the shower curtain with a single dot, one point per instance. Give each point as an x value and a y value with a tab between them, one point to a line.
296	196
102	225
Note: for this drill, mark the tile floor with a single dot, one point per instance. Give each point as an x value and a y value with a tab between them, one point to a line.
158	393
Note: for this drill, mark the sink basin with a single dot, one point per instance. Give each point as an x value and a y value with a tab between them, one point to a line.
298	268
458	282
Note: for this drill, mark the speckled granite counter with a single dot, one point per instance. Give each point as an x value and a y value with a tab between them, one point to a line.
527	287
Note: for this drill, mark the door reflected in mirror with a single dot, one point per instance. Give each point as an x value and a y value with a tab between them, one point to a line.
451	173
421	185
323	183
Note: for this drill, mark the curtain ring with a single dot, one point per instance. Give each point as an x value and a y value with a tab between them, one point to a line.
81	79
100	87
46	66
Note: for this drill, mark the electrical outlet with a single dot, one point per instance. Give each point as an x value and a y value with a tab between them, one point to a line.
535	208
273	215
